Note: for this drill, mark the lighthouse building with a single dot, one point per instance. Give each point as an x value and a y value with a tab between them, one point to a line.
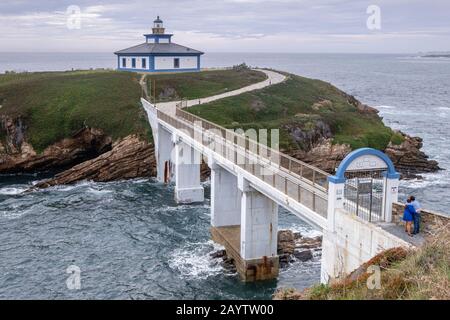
159	54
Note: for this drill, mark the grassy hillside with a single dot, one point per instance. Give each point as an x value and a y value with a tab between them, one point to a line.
189	86
55	105
300	102
420	275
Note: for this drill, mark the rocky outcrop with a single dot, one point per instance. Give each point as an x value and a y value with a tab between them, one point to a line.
409	159
361	107
293	247
325	156
17	156
129	158
309	134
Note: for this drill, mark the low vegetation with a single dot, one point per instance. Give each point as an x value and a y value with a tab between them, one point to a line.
55	105
170	87
301	102
423	274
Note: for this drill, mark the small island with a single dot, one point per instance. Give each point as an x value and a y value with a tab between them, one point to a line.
94	120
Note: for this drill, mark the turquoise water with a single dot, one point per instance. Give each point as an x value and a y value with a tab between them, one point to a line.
132	241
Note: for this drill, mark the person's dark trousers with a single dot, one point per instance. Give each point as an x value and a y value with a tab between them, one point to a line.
416	223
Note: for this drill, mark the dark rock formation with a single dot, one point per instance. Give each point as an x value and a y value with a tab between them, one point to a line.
409	159
294	247
129	158
286	242
304	255
17	156
325	156
310	134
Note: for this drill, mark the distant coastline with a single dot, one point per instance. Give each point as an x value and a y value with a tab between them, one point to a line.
437	56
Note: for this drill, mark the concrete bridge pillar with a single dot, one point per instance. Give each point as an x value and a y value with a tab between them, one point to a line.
163	153
259	232
187	160
225	198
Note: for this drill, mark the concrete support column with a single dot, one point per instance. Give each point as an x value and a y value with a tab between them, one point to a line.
163	151
330	251
225	198
187	174
391	196
259	232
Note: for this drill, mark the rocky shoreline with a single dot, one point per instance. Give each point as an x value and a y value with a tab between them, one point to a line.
89	154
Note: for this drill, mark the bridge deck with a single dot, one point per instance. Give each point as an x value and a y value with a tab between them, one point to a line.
299	181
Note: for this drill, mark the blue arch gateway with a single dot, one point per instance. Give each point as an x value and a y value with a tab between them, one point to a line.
365	184
159	54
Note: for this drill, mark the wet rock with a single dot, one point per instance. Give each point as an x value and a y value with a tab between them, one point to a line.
218	254
325	155
297	236
308	132
409	159
129	158
18	156
286	242
304	255
309	243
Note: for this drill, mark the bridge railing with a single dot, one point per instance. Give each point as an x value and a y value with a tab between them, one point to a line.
293	178
309	174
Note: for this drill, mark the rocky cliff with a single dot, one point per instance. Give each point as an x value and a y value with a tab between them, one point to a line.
129	158
18	156
316	147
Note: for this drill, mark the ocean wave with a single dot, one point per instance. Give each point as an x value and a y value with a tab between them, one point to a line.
194	260
429	179
98	192
11	191
304	230
385	107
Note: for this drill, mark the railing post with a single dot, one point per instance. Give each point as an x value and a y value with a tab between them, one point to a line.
314	178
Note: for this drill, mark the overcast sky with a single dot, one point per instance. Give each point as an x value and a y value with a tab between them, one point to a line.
407	26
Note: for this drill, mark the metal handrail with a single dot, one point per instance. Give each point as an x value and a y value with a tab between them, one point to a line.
310	194
291	162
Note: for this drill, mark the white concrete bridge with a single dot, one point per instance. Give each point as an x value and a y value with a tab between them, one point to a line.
249	181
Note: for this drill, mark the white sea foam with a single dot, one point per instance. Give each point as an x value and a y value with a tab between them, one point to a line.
304	230
98	192
385	107
194	260
12	191
430	179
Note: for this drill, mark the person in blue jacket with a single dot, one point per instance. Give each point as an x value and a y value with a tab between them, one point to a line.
416	217
408	217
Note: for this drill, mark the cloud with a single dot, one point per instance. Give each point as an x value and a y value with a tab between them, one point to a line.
228	25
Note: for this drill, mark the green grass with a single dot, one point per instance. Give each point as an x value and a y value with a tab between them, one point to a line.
292	103
200	85
55	105
418	275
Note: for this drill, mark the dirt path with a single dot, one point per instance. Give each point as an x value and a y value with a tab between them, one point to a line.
272	79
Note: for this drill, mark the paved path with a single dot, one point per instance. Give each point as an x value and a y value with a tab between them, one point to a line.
399	231
272	79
